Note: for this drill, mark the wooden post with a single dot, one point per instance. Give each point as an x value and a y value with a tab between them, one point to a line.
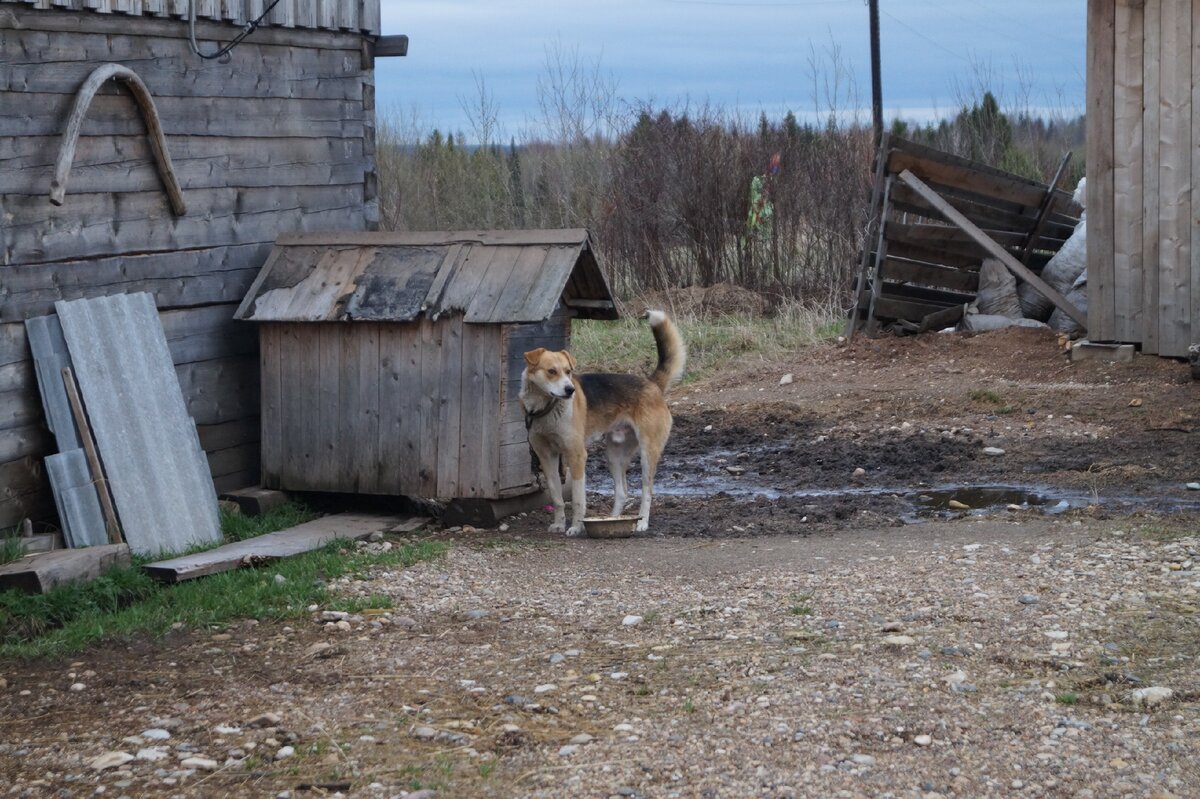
1044	211
89	449
989	244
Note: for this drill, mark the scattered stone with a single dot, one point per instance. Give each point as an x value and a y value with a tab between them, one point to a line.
898	640
568	750
993	451
1057	635
954	504
265	720
280	579
334	615
285	751
1028	599
557	658
1151	697
631	621
923	740
859	472
155	734
151	754
109	760
1193	486
77	687
736	471
545	688
787	379
424	733
582	738
199	763
424	793
863	760
476	614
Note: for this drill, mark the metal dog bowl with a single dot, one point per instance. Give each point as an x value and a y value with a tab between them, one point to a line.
610	526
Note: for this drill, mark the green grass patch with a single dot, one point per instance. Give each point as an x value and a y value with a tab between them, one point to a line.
712	342
238	527
126	602
1067	698
11	549
986	396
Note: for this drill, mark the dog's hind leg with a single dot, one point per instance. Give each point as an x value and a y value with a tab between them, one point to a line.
653	440
620	454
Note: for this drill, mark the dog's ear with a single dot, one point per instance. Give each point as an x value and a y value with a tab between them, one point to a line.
533	356
570	359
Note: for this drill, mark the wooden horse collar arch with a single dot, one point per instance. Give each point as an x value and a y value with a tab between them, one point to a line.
158	142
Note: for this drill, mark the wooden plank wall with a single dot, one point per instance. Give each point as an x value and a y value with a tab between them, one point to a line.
353	15
382	407
1143	164
280	139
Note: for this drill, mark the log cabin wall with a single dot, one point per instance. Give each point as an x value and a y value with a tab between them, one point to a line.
1143	166
278	139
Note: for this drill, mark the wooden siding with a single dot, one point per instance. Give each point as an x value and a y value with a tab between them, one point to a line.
334	15
1143	164
384	408
279	140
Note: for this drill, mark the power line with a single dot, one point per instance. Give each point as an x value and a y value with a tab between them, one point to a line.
918	33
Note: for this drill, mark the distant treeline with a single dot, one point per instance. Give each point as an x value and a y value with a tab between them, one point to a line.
668	196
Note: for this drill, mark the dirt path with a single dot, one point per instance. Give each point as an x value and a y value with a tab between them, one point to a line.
771	640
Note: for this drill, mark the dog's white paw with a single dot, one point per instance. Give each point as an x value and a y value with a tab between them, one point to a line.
557	527
643	525
575	531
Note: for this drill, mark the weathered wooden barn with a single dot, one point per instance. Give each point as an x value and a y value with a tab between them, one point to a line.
391	362
276	137
1143	165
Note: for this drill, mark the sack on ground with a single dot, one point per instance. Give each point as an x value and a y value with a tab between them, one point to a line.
997	290
1060	272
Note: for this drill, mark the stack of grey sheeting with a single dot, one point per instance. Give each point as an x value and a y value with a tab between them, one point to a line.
146	442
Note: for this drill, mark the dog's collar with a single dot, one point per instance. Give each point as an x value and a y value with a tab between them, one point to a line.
530	416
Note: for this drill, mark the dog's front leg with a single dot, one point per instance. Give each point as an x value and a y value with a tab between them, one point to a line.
549	462
577	469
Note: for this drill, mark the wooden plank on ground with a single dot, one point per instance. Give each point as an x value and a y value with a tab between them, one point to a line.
39	573
994	249
272	546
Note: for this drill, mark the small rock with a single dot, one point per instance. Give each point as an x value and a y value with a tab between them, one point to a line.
863	760
859	472
424	793
156	734
475	615
898	640
582	738
619	675
375	537
568	750
1193	486
1028	599
1057	635
199	763
736	471
992	451
1151	697
631	621
923	740
265	720
334	615
285	751
787	379
545	688
280	579
954	504
556	658
77	687
343	626
151	754
110	760
424	733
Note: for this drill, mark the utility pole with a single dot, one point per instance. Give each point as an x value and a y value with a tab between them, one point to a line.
876	87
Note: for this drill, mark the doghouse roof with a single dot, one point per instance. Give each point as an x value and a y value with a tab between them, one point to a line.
488	276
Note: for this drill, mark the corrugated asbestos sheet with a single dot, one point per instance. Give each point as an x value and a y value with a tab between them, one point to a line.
488	277
159	477
333	15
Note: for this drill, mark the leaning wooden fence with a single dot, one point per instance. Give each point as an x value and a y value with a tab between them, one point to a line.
934	218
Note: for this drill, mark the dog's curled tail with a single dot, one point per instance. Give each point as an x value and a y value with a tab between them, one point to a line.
672	354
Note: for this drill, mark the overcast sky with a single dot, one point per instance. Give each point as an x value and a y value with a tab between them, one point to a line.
749	55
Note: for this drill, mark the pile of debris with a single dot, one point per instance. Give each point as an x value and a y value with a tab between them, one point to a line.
953	242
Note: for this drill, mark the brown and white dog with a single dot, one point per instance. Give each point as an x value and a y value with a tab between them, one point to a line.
565	410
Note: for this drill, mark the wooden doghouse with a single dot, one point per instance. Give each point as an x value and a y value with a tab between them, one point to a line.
391	362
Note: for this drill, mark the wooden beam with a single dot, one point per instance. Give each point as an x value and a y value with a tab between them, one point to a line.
391	46
1045	209
40	573
995	250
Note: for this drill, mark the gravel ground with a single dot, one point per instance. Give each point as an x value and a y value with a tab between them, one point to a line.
969	658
